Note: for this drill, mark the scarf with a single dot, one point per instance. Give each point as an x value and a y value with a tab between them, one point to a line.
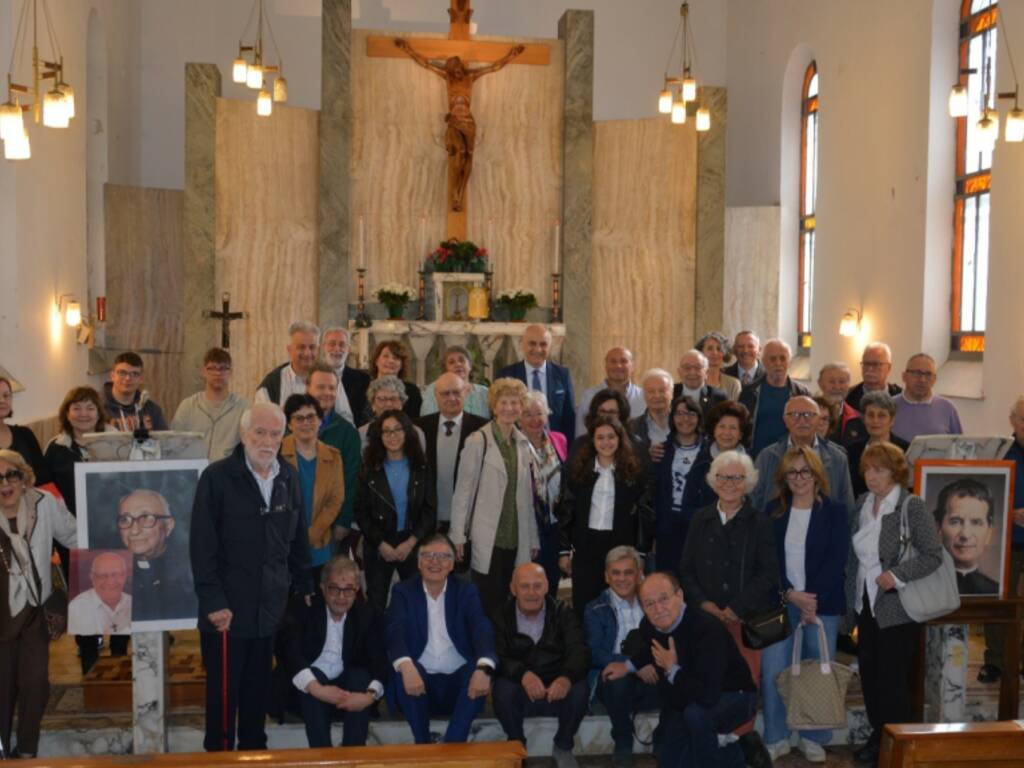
22	588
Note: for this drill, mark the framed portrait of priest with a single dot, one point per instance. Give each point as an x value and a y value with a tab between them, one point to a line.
971	505
145	509
100	592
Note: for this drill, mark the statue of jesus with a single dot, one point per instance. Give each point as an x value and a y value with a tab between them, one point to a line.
461	133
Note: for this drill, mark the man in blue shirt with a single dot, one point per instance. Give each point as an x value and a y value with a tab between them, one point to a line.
766	398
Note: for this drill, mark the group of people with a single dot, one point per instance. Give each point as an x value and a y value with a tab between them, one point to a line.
343	506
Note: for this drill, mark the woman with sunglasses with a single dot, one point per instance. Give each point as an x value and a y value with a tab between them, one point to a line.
395	505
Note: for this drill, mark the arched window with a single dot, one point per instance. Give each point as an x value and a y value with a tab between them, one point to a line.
808	195
977	53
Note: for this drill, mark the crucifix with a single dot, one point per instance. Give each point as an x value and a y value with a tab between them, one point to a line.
225	316
452	57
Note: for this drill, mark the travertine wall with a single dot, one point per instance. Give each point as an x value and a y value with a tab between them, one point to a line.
751	295
399	167
645	184
145	284
266	179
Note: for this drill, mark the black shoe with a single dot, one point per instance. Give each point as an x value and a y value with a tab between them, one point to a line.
868	754
989	673
88	656
755	753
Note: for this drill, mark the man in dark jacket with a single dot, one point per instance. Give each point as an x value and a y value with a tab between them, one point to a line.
703	679
543	660
766	398
537	372
334	656
249	548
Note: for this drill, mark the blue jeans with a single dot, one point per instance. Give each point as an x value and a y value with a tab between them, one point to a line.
691	735
776	658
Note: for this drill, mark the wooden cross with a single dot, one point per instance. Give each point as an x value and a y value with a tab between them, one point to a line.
225	316
453	54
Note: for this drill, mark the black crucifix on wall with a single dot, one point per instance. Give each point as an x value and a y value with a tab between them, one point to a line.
225	316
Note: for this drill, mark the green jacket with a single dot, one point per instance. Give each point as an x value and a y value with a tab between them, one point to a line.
343	436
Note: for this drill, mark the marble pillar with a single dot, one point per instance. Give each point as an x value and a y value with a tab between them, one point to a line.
945	675
576	30
202	88
149	692
709	308
335	143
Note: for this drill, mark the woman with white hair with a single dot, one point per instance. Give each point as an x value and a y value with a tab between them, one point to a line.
549	449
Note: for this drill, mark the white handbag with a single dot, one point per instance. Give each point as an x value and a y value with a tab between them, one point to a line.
933	595
814	691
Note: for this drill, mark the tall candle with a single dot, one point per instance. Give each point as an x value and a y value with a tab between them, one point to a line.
490	234
362	242
423	235
558	247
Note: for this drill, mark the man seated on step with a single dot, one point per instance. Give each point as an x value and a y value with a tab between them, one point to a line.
290	378
543	660
334	656
607	621
440	644
703	680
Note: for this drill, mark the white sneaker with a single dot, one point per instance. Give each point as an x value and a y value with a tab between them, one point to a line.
813	751
778	749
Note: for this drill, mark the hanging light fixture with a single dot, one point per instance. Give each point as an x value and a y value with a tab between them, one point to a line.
680	91
251	69
53	108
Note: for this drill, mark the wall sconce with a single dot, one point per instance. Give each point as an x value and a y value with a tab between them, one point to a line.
70	310
850	324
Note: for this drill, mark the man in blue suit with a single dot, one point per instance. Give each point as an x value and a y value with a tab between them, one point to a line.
440	644
539	373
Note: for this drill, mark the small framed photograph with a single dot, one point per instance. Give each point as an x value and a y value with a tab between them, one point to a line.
971	504
100	592
144	508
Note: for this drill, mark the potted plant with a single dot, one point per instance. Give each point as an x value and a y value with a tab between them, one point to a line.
394	296
518	300
457	256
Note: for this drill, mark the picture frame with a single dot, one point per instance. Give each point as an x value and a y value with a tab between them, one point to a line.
145	508
971	502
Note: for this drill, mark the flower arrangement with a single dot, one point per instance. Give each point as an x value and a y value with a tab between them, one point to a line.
517	300
394	296
458	256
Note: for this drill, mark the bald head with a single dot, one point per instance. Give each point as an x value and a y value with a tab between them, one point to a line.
529	587
801	418
450	393
618	367
536	345
109	575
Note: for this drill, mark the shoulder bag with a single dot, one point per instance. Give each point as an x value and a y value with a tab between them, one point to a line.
933	595
814	691
763	628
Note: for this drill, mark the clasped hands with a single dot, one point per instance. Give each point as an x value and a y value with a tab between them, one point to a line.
618	669
396	554
349	701
537	691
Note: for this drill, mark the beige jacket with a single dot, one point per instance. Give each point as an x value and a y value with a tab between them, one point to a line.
328	488
482	476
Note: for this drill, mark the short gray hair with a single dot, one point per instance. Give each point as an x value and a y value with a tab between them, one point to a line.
781	343
700	356
734	457
879	399
751	334
332	329
656	373
621	552
922	356
1018	403
302	326
533	397
339	564
386	382
718	336
274	408
880	345
836	366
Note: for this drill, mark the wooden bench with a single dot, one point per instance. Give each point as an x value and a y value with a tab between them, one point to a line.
945	745
494	754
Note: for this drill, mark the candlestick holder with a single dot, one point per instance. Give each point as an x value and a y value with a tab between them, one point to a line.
362	319
556	297
422	296
489	287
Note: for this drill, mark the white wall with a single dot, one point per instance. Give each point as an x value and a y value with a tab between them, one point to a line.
632	42
885	176
43	204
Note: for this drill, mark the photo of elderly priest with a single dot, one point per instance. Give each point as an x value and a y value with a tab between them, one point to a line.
103	602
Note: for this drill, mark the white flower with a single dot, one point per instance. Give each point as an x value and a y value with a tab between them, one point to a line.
515	294
394	291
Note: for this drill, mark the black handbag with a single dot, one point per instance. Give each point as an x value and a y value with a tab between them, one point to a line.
767	627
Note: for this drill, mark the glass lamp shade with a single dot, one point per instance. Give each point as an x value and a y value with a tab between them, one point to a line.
665	102
848	325
240	71
264	104
958	101
703	119
17	147
678	112
12	123
1014	125
254	77
988	130
73	314
689	89
280	89
55	113
69	98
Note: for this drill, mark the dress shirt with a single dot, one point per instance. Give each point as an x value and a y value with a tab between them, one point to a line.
531	626
796	547
89	615
745	376
657	433
342	407
602	500
542	373
447	456
266	484
634	396
865	544
692	393
330	660
628	616
291	384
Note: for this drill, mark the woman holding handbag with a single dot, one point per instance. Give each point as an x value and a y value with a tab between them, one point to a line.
30	521
887	522
812	540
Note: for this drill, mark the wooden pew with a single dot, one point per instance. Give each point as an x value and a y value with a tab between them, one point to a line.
494	754
945	745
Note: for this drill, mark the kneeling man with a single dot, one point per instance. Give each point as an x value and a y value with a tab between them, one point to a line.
440	644
334	655
543	662
703	679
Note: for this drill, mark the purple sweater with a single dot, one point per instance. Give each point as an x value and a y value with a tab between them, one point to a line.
939	417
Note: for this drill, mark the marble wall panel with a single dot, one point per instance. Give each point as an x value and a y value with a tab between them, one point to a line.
399	167
645	179
266	190
145	255
751	290
710	277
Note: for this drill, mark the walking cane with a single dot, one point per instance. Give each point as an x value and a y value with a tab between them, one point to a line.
224	686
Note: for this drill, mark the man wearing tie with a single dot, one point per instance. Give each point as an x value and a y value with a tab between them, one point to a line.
446	432
542	375
747	350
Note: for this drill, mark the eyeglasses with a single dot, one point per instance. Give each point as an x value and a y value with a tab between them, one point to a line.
691	368
804	473
449	392
919	374
304	418
602	411
802	415
686	415
218	369
730	479
12	477
436	557
661	601
121	373
392	432
387	400
333	591
871	364
145	521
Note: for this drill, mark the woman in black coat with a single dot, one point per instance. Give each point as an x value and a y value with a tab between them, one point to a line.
604	505
394	502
